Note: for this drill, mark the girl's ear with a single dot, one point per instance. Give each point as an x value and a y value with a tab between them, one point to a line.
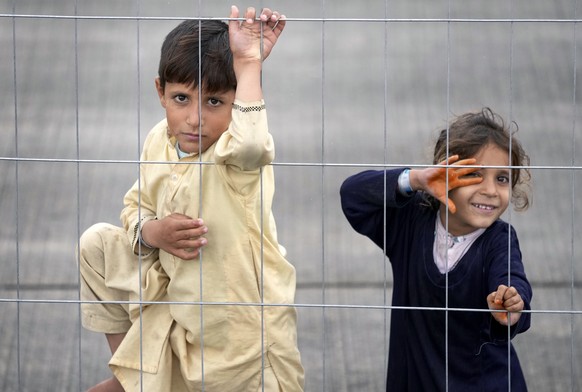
160	91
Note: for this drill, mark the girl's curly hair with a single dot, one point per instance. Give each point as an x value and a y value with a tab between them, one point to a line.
470	132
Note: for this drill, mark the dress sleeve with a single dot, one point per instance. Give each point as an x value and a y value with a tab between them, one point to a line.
367	200
247	143
506	267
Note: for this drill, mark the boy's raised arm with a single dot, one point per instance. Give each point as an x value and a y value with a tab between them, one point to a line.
245	43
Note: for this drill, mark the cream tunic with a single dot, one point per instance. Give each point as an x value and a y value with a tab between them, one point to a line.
216	339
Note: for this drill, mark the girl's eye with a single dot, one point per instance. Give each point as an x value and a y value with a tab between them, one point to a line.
503	179
473	174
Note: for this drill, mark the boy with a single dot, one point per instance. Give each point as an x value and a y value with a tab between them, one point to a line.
216	141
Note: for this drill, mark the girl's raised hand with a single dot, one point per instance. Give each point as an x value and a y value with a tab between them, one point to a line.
245	36
505	298
434	180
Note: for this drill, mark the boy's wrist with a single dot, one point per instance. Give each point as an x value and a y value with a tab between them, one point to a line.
243	65
248	82
141	230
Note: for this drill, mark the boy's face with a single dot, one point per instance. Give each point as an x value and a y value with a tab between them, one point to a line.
479	205
195	126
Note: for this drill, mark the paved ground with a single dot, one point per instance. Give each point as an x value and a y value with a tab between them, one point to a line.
342	95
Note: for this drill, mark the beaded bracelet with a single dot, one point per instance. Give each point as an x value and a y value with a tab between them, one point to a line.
246	109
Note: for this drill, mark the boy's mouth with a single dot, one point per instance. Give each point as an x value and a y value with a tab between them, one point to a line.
192	136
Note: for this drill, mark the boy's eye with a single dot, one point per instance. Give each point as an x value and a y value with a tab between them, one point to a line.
180	98
214	101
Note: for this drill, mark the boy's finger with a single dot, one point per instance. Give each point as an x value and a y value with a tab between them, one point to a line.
250	15
266	14
233	23
279	25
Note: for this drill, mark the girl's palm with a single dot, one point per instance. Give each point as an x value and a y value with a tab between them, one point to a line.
438	178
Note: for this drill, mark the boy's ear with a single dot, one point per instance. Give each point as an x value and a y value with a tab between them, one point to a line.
160	91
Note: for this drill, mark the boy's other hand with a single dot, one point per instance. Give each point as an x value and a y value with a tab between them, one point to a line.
245	36
176	234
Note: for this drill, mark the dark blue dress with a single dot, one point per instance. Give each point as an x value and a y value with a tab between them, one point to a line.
474	355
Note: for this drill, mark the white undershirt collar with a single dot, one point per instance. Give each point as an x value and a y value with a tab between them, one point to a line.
448	249
181	154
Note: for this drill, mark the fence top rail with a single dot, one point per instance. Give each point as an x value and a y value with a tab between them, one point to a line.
324	19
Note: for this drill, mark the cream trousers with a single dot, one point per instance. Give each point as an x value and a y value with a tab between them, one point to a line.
112	280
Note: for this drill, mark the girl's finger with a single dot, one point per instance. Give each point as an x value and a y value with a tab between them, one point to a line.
469	181
451	159
468	161
500	294
452	206
466	170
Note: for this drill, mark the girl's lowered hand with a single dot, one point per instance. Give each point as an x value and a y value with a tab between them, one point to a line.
505	298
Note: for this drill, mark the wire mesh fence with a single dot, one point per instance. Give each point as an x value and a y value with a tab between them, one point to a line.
350	86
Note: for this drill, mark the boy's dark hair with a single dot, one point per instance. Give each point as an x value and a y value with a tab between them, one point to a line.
469	132
191	44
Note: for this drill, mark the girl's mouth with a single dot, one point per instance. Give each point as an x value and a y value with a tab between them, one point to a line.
485	207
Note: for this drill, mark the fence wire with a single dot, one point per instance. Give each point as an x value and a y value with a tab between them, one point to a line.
348	88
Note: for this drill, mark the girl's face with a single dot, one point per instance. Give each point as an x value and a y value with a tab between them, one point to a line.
195	126
479	205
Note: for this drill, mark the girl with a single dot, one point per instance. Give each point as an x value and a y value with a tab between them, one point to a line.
441	229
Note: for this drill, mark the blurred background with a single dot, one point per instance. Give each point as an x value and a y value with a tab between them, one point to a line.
350	86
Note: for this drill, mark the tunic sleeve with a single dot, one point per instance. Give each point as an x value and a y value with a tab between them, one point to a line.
139	205
247	143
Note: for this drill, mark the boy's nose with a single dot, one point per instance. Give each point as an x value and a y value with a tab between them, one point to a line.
193	119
